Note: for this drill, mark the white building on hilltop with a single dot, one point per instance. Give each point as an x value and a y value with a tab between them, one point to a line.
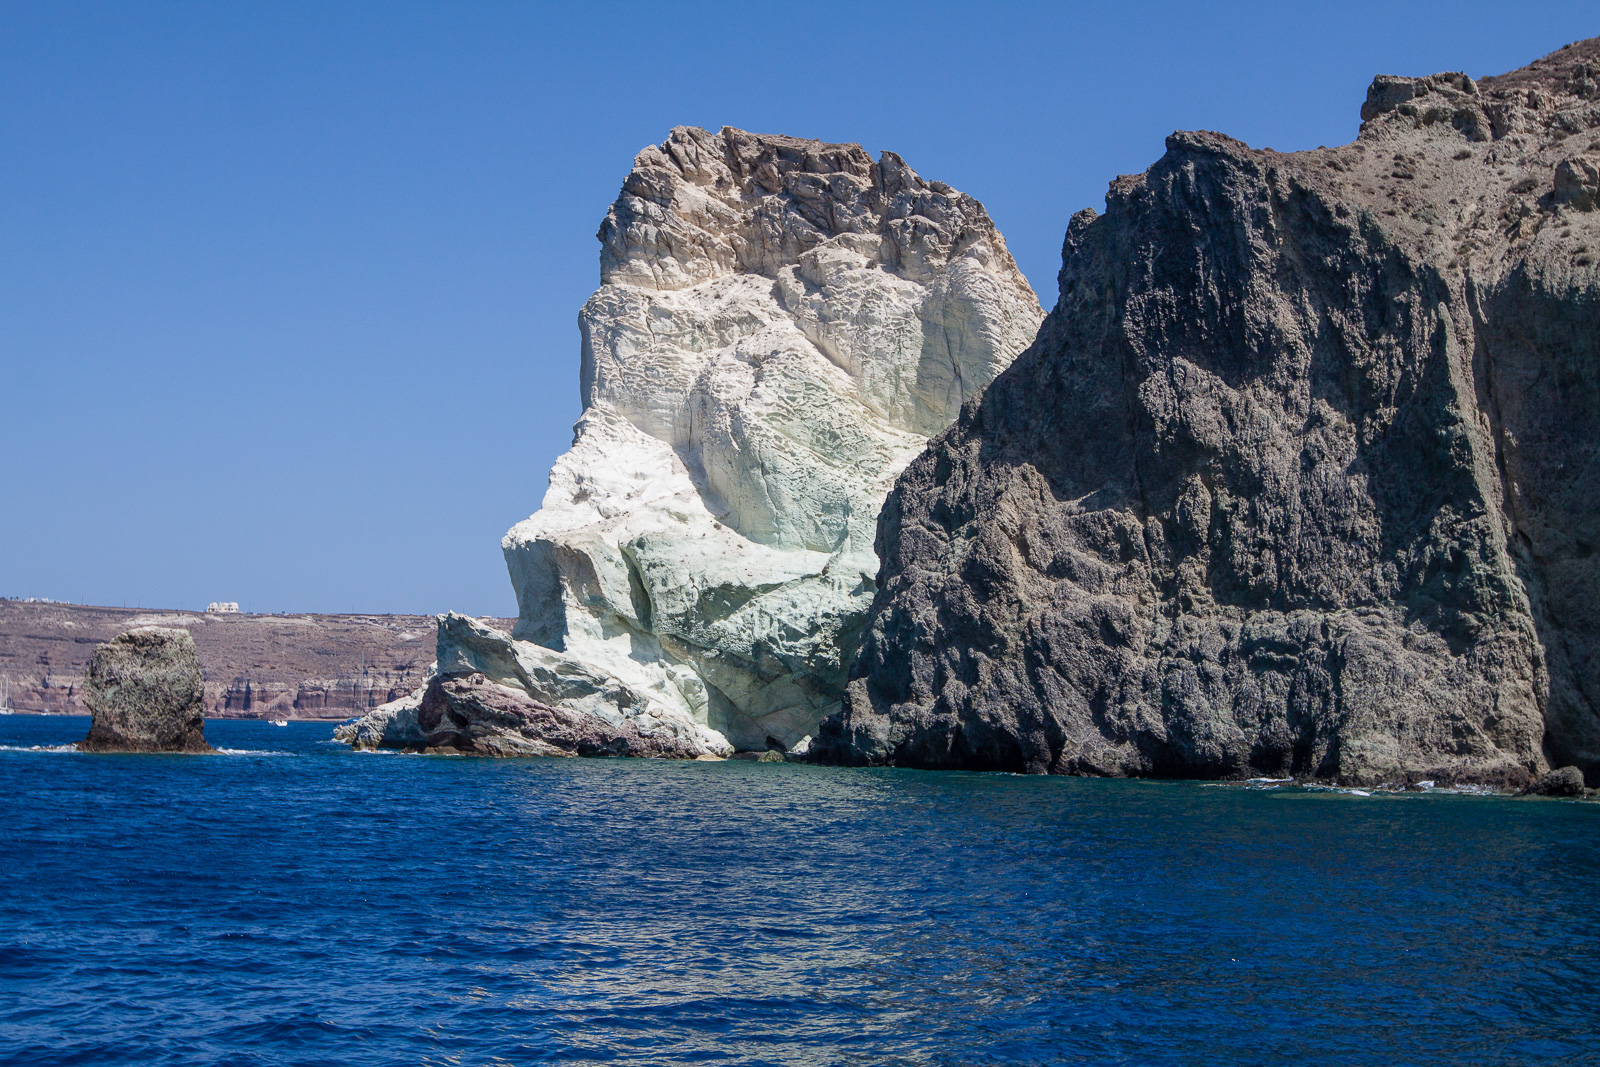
223	607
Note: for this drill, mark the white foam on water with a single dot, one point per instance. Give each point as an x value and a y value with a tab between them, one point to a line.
1472	791
70	748
1419	789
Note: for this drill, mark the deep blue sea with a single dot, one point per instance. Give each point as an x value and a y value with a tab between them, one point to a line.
293	902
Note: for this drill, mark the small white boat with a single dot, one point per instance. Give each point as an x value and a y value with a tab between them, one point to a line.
279	722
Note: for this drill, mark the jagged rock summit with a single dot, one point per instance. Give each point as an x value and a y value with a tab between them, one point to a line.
1299	477
145	691
781	325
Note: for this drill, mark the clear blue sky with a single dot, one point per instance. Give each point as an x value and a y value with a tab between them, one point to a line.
288	292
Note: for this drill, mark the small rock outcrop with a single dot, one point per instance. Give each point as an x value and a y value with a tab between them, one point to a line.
1563	782
478	704
473	716
145	691
1299	477
781	324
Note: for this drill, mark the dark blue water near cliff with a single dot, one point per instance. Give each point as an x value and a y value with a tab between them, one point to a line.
315	906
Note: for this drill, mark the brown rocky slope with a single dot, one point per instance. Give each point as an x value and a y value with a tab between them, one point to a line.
1299	477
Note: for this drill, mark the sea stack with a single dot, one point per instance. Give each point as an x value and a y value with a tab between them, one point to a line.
1299	477
781	325
145	691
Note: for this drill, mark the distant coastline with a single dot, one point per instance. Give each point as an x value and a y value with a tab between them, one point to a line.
309	667
225	718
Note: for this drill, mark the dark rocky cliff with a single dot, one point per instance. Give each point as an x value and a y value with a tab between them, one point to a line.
1300	475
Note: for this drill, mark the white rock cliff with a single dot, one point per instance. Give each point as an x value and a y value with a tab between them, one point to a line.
780	327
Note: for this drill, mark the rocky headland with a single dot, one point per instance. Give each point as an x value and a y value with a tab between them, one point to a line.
781	324
144	690
1299	477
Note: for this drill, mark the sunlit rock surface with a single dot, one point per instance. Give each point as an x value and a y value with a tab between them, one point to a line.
145	692
781	325
480	701
1299	478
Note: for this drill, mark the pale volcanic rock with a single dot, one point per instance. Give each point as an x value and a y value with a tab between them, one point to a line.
515	688
472	715
781	324
1298	478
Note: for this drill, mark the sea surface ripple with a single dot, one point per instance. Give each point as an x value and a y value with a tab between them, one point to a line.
296	903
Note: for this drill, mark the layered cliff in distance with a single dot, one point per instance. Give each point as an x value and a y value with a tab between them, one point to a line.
255	666
1300	476
780	326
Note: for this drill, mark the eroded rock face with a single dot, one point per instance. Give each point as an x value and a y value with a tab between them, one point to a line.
492	696
781	324
473	716
1299	476
145	692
